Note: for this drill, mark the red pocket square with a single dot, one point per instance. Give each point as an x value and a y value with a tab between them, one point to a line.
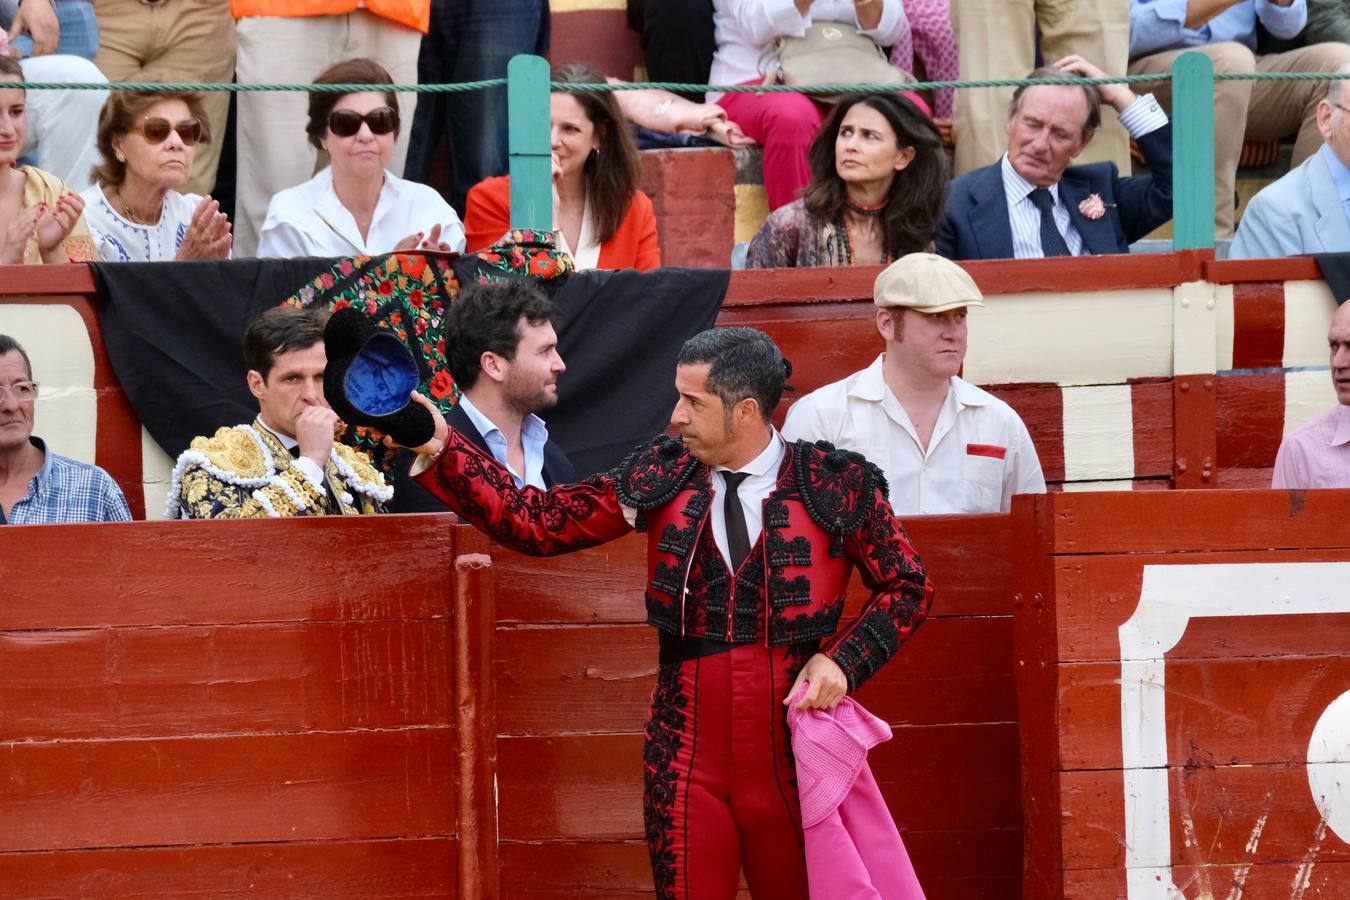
993	451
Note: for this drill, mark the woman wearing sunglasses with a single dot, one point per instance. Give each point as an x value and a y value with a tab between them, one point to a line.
356	207
148	142
600	216
41	221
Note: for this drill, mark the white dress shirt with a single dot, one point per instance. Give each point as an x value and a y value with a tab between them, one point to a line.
311	470
1141	117
743	28
752	493
979	455
118	239
533	437
310	220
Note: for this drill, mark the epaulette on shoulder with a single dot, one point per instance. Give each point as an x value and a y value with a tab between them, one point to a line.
361	475
838	487
236	453
654	473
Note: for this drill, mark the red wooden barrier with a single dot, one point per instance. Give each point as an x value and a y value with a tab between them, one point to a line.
1184	694
211	708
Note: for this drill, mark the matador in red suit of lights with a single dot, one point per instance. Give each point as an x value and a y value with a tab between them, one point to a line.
751	541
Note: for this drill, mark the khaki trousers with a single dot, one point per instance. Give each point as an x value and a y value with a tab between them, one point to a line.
997	39
1254	110
274	152
177	40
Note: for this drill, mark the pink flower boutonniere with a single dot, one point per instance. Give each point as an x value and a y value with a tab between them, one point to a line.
1092	207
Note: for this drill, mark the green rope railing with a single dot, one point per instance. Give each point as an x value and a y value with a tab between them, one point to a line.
675	86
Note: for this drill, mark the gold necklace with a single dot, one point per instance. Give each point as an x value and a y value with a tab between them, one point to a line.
127	211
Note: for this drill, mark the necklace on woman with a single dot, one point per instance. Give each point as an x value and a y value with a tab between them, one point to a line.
127	212
863	210
846	237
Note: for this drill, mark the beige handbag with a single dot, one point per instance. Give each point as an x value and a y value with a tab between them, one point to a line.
829	53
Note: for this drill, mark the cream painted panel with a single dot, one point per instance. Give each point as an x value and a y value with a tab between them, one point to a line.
1308	306
1194	327
57	342
1080	487
1223	327
1095	337
1306	396
1098	433
156	474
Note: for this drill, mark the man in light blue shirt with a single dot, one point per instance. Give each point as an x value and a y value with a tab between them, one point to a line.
1225	31
503	353
1308	210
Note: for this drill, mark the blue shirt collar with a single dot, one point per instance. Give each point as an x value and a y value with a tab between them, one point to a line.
38	486
1340	175
533	437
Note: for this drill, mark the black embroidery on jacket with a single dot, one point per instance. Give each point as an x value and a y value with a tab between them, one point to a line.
660	780
654	474
838	488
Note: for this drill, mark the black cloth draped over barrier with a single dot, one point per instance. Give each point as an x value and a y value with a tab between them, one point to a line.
174	333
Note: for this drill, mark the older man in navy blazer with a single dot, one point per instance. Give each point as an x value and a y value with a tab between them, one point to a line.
1032	203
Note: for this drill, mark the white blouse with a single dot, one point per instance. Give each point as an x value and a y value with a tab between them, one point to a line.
743	28
310	220
118	239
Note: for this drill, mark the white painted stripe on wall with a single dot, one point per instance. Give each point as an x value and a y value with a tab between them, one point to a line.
1306	396
1098	433
1223	327
1093	337
156	475
57	343
1308	306
1193	324
566	6
1078	487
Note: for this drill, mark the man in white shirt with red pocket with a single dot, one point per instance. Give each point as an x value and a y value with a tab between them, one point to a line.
945	445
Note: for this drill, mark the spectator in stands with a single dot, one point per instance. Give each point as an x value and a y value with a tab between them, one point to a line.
666	112
1317	455
945	445
356	206
784	123
37	486
193	40
1032	203
878	181
286	462
46	27
503	353
999	38
678	39
148	142
1328	20
601	217
43	220
287	41
1308	210
928	39
61	123
470	40
1225	31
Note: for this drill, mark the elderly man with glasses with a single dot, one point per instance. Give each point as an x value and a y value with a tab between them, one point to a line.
36	485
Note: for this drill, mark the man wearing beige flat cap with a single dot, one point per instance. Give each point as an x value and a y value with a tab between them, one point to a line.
945	445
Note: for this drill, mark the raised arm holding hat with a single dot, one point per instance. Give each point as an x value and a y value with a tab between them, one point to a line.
944	445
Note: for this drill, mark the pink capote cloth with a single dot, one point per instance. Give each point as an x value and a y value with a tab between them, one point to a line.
853	850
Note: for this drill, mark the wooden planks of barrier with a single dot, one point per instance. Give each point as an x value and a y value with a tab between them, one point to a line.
1184	692
187	708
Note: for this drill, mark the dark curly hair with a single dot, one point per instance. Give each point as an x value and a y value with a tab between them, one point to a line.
485	318
918	192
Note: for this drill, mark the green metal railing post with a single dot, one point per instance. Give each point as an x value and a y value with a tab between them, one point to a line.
531	158
1192	152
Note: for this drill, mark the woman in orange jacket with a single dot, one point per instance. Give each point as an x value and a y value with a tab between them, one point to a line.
601	217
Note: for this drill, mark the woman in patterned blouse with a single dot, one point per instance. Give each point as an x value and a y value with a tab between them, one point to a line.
878	185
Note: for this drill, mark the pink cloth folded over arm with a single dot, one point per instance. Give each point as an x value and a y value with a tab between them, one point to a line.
853	849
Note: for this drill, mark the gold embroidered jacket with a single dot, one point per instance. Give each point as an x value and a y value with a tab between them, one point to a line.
246	472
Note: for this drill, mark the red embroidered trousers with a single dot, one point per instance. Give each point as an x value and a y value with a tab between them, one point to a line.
720	790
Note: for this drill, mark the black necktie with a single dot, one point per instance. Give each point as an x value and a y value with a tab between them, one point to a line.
1052	242
738	535
295	451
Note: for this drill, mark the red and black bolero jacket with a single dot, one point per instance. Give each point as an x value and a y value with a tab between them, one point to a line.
827	515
